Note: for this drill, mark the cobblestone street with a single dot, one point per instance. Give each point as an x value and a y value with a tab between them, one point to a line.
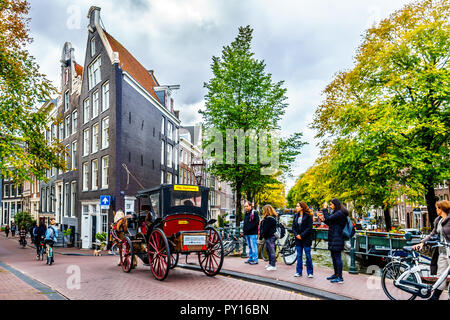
101	278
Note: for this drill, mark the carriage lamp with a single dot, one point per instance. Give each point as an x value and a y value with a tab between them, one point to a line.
198	164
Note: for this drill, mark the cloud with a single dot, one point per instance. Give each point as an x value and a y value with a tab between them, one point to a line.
302	42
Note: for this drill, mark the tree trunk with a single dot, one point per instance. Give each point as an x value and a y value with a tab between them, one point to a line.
431	205
387	219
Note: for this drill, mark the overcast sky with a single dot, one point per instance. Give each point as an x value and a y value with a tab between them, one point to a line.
302	42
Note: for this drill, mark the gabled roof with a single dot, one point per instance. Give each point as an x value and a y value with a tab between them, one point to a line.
131	65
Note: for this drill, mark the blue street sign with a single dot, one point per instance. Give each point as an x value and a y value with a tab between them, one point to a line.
105	201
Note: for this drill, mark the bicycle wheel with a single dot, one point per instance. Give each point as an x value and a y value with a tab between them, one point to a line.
392	271
228	247
289	253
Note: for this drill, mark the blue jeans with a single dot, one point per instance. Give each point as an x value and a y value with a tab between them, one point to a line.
270	245
309	264
252	241
337	263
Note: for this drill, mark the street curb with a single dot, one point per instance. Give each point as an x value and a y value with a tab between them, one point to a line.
42	288
275	283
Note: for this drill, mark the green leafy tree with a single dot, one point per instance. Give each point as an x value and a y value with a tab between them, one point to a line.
24	152
389	116
23	219
242	96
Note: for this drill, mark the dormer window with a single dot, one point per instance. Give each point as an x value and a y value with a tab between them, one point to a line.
92	46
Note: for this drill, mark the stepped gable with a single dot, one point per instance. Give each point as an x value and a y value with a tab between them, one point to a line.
131	65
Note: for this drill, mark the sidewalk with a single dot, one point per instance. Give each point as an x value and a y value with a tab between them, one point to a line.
13	288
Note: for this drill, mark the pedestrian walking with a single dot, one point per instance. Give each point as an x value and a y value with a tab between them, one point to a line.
13	230
336	222
268	228
7	230
302	226
31	232
440	256
250	231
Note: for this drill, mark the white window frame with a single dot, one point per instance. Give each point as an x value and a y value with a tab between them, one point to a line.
86	176
94	171
169	130
163	149
95	138
169	155
94	72
86	142
73	194
74	155
74	121
95	101
92	46
67	123
105	133
86	107
105	172
66	101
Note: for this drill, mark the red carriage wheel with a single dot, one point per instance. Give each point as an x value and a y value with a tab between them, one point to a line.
126	253
158	254
174	256
211	259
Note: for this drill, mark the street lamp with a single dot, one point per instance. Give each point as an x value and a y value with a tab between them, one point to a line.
198	164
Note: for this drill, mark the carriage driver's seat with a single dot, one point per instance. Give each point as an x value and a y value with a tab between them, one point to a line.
132	225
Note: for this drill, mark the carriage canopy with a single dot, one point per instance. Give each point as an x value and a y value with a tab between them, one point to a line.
169	199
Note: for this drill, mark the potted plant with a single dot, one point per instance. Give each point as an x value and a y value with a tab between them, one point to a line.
101	237
68	238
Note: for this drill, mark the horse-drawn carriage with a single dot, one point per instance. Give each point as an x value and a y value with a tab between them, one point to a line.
177	223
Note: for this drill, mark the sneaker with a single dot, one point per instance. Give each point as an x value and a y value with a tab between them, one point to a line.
253	262
270	268
310	276
297	275
337	280
332	277
248	261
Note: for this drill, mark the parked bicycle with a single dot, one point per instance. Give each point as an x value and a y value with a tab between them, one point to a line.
286	250
401	278
231	242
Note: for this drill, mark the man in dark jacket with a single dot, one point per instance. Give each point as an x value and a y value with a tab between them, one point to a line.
336	223
251	223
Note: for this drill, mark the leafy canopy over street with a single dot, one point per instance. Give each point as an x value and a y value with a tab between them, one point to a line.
384	125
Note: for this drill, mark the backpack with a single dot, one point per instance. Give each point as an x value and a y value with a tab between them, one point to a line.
280	231
349	230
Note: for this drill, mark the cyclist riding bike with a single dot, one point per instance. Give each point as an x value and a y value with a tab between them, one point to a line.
22	236
50	238
39	235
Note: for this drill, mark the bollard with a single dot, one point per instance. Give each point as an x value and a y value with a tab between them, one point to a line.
353	269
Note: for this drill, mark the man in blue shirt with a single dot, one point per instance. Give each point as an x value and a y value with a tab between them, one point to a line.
51	236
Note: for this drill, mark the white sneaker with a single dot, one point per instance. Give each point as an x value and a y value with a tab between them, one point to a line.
270	268
310	276
297	275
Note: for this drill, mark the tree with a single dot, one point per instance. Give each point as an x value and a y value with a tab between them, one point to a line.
273	194
242	96
23	219
24	152
389	116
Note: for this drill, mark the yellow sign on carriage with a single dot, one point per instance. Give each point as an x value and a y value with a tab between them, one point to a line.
185	188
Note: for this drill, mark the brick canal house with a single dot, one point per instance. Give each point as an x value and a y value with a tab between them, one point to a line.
118	121
126	118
